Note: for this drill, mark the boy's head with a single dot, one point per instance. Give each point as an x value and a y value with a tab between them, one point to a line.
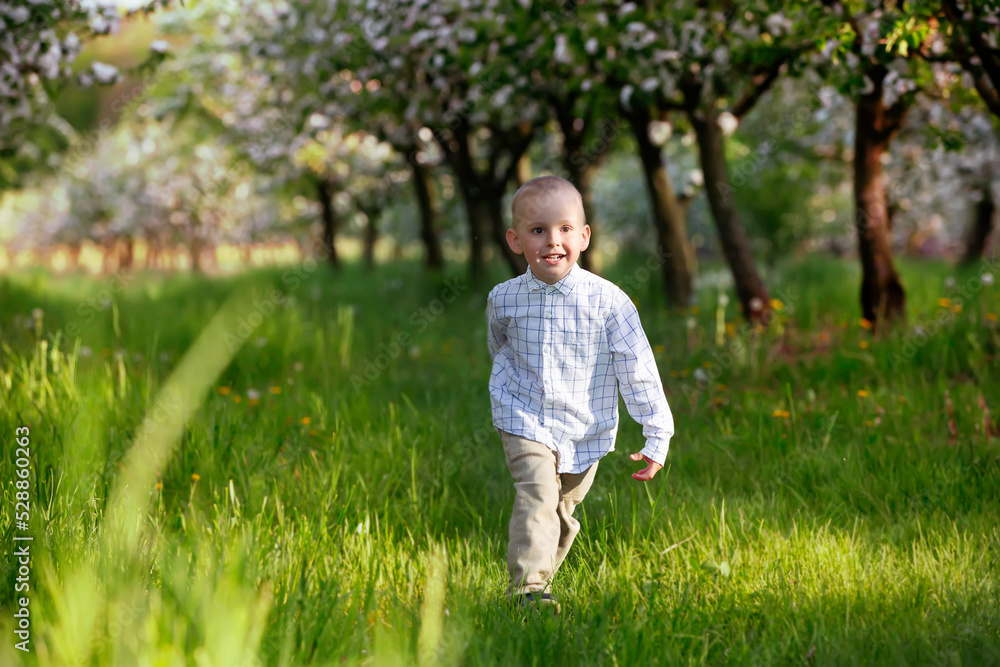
549	227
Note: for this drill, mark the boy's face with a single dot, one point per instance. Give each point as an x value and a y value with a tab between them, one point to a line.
551	234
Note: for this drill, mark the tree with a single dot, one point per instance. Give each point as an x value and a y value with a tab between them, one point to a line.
875	54
40	41
711	62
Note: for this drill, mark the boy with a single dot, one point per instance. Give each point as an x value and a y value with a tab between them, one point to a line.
562	340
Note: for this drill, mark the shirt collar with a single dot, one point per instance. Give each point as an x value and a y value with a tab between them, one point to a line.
564	286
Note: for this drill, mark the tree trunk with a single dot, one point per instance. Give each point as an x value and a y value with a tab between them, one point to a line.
667	217
498	228
194	248
324	191
423	183
483	189
476	214
882	296
370	237
750	287
982	226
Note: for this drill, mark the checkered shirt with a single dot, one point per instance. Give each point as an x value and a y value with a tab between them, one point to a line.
560	353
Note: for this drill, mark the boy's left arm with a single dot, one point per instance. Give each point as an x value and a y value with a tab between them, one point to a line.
640	384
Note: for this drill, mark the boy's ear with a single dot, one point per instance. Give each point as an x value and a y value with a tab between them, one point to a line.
513	242
586	238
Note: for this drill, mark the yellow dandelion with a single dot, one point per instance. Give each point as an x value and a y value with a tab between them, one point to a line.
781	413
957	308
313	431
159	486
862	393
673	374
685	373
306	420
777	305
223	391
718	401
195	476
658	349
943	302
695	310
868	422
706	364
731	329
902	399
276	390
253	401
992	317
863	345
865	324
237	399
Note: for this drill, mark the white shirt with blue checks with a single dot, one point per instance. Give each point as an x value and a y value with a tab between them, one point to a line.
560	353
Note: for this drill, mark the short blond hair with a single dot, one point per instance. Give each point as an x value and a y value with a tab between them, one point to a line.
543	187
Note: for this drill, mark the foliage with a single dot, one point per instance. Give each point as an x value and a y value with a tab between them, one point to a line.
830	515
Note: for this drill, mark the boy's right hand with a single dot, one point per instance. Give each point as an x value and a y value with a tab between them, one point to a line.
649	472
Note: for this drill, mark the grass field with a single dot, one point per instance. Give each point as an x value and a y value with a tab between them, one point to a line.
314	480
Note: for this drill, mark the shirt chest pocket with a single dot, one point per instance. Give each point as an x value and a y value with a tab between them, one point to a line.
580	349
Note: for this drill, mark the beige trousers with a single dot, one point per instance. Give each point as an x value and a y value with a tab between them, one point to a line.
542	527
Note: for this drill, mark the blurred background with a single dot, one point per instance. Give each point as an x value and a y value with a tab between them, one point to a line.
215	136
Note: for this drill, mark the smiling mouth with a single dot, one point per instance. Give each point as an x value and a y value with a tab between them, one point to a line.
554	258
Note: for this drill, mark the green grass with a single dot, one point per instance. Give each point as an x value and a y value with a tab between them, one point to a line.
856	530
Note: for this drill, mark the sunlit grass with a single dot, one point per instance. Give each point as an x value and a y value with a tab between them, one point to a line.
817	505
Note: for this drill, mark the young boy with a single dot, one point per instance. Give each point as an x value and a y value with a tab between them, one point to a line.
562	341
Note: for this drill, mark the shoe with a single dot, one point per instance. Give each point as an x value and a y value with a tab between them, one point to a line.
544	601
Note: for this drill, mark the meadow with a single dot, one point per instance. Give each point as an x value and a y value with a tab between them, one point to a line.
289	467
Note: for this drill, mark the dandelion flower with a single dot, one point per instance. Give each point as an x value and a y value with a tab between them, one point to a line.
695	310
195	476
865	324
992	317
776	304
957	308
868	422
313	431
159	486
306	421
863	345
224	391
237	399
275	390
943	302
863	393
658	349
253	401
780	413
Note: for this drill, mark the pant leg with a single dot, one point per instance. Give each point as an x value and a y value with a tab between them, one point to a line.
573	489
534	523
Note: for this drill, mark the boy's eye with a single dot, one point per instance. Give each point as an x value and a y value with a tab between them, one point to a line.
537	230
567	228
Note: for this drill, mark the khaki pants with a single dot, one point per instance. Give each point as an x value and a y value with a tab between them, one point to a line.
542	527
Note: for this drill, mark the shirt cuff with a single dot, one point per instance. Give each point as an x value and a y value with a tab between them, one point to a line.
656	450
